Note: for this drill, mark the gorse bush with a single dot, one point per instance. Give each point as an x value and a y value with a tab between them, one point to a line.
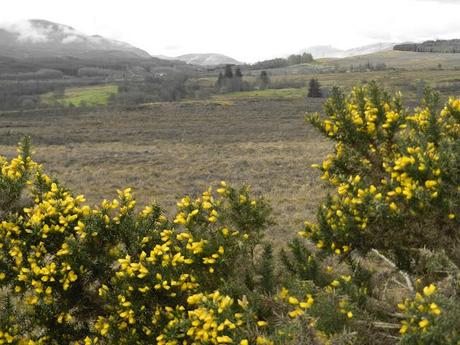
396	176
111	274
378	266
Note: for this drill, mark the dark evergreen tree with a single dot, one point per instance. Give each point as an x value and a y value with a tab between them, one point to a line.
237	84
238	73
228	72
220	81
314	89
264	80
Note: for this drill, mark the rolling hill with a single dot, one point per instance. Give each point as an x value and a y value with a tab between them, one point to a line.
39	39
210	59
332	52
398	59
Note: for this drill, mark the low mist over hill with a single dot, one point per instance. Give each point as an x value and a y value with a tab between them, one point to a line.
38	38
325	51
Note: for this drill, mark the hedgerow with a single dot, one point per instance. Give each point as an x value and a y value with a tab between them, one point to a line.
378	266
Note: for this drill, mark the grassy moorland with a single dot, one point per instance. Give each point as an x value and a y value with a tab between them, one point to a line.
164	150
385	233
293	94
409	82
167	149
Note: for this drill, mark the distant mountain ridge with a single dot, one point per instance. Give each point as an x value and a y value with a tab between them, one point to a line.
438	46
209	59
328	51
37	38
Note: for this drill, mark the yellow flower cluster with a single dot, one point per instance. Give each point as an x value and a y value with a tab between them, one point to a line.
41	264
300	305
416	174
211	319
14	175
364	116
201	207
449	118
14	169
12	336
7	338
420	313
387	167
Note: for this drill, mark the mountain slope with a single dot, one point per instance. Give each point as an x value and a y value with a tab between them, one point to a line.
319	52
38	38
207	59
398	59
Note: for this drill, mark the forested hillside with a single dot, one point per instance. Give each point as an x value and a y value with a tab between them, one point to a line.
438	46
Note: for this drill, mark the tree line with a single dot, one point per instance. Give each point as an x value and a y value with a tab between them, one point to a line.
438	46
294	59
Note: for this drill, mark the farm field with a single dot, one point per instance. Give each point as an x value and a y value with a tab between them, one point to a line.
95	95
167	149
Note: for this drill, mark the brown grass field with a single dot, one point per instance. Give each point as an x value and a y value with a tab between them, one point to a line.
166	150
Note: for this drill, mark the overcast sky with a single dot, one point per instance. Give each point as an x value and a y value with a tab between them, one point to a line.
248	30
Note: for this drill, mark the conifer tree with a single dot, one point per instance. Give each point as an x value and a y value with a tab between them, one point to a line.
228	72
264	80
314	89
237	84
238	73
220	81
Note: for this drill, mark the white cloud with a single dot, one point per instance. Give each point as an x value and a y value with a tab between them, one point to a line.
246	30
456	2
71	39
26	32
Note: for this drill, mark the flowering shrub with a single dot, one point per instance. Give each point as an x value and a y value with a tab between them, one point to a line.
111	274
395	191
395	175
430	318
115	273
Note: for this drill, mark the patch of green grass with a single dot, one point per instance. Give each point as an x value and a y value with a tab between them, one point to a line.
90	95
